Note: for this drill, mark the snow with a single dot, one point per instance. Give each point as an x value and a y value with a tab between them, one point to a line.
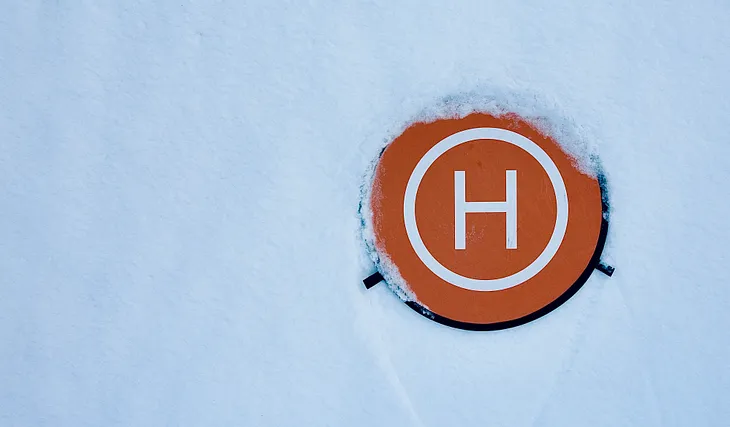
179	235
543	114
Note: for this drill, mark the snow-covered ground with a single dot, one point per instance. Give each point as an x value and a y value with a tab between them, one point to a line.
178	213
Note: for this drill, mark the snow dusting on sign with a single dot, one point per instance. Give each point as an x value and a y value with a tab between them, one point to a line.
544	115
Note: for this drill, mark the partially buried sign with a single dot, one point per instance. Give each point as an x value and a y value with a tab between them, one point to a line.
486	222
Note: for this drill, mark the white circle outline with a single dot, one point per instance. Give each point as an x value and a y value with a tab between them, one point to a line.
561	219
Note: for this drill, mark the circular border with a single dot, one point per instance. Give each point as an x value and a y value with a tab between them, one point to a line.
454	140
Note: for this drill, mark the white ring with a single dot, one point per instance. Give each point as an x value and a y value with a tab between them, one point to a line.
561	219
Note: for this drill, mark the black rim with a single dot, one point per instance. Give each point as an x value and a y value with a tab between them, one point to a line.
572	290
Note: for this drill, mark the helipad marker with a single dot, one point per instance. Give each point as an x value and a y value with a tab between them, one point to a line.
489	222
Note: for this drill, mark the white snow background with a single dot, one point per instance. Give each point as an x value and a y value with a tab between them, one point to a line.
178	214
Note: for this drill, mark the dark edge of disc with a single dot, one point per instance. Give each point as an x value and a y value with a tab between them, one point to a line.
593	264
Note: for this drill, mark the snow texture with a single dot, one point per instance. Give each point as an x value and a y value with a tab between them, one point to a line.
180	240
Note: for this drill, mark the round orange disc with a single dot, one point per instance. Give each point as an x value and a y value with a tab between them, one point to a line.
489	222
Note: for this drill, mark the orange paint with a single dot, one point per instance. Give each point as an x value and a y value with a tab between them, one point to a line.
484	164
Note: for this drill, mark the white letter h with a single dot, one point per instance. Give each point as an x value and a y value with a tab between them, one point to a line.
462	207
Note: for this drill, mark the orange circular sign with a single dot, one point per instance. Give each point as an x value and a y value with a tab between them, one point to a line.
488	222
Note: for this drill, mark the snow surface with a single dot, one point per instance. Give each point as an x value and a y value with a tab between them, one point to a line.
179	237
